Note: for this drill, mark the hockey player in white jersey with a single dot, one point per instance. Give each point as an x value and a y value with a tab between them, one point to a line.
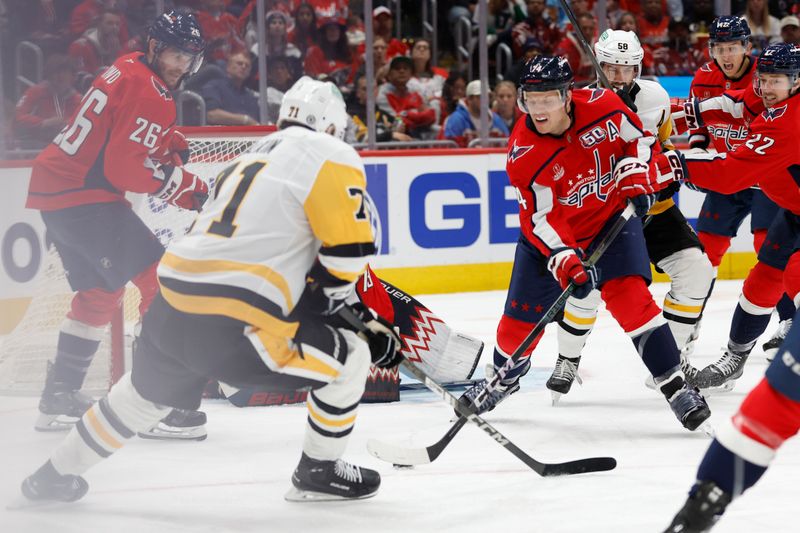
250	297
672	244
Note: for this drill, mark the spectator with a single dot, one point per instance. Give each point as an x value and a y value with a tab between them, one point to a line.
790	30
653	24
45	107
701	15
278	44
765	29
279	74
502	16
332	57
627	22
427	80
461	125
530	49
570	47
538	26
505	103
454	89
679	57
379	61
304	34
85	14
387	128
383	26
220	30
228	101
100	45
395	98
331	8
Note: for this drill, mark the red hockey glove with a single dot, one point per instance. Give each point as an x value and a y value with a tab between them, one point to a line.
174	150
182	188
635	184
685	116
568	268
670	166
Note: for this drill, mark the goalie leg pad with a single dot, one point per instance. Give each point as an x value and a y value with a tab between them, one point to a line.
332	408
106	427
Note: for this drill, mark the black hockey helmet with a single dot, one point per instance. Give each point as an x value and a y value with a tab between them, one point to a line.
542	74
727	29
179	29
780	58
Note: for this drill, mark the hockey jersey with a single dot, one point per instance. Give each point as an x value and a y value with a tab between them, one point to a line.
769	157
105	148
710	81
564	184
299	197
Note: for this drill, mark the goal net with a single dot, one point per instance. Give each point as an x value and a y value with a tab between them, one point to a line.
25	351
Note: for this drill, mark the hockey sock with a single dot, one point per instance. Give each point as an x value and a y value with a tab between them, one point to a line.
510	334
576	324
786	308
658	350
692	275
748	323
516	371
106	427
731	472
77	344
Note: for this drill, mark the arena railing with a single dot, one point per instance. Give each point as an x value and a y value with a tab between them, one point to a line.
30	66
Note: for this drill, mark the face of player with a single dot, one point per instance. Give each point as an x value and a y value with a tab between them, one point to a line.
620	76
172	64
774	88
730	56
548	111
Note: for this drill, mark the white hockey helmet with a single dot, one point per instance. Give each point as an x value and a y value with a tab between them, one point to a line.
314	104
618	47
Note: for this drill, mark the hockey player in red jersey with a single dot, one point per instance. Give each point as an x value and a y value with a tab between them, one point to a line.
745	446
113	144
769	157
575	161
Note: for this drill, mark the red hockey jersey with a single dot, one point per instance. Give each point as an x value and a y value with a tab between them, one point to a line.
564	184
709	81
769	157
105	148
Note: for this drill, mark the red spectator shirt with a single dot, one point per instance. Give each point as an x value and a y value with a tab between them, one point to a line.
87	52
543	30
653	35
86	12
769	157
581	64
709	81
316	64
408	107
105	148
565	184
221	33
39	103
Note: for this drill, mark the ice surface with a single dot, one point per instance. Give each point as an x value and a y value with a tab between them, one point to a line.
235	480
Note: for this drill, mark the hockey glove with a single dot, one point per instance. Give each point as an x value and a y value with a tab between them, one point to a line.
382	337
174	150
685	116
182	188
567	268
635	184
324	294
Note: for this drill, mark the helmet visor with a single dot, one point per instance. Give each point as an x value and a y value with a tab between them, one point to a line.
772	83
544	102
176	58
726	49
620	75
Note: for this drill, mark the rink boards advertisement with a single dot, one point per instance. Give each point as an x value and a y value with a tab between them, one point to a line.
448	223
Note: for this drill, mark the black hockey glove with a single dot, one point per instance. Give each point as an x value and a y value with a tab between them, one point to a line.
381	336
625	95
324	294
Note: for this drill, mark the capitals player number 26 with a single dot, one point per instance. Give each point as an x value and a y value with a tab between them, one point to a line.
72	136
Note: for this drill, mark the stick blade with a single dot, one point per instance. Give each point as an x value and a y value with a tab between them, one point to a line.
581	466
398	455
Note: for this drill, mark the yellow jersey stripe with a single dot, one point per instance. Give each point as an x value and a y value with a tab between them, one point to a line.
579	320
660	207
350	420
278	350
101	431
202	266
230	307
683	308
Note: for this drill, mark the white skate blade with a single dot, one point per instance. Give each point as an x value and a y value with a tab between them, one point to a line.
397	454
722	389
162	431
308	496
54	422
706	428
650	383
555	397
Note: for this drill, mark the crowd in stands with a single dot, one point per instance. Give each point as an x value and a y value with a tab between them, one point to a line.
417	98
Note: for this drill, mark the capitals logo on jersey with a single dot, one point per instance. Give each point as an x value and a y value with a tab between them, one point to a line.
518	151
775	113
593	182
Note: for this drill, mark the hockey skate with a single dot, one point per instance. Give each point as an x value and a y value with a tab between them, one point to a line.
689	372
60	407
771	346
179	424
320	481
500	393
726	369
564	373
46	484
701	511
690	407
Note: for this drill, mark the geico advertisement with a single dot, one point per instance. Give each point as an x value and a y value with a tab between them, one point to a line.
434	210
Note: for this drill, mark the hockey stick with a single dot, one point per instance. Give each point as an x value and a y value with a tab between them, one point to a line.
601	76
398	455
580	466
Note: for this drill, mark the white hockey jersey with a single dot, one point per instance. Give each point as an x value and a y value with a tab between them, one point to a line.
298	196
